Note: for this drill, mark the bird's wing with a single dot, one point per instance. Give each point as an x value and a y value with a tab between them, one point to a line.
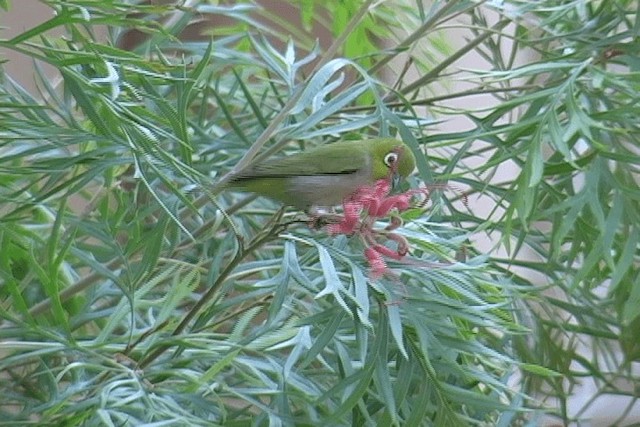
333	159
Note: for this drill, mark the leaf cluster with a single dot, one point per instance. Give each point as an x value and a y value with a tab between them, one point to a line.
134	290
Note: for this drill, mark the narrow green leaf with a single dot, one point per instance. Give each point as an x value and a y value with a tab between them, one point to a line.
395	324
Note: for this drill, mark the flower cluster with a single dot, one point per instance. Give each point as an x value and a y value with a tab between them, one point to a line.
363	208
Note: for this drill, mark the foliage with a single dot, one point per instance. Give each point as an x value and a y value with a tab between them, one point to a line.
133	290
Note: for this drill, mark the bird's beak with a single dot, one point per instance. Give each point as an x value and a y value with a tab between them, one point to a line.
396	180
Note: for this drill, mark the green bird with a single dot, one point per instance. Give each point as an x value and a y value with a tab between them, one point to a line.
325	175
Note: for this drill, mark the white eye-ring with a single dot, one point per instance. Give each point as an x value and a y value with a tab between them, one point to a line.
391	159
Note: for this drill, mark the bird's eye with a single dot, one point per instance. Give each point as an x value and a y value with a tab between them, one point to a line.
391	159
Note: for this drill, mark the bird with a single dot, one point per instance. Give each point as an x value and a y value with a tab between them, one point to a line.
324	176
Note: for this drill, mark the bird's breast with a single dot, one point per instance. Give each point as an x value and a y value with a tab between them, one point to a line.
326	190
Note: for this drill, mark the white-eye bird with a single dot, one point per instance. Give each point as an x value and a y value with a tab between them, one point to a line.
325	175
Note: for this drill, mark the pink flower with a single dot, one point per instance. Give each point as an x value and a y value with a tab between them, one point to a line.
377	265
360	212
351	212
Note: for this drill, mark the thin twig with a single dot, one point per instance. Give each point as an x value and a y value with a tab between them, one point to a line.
207	296
413	37
431	75
77	287
434	99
